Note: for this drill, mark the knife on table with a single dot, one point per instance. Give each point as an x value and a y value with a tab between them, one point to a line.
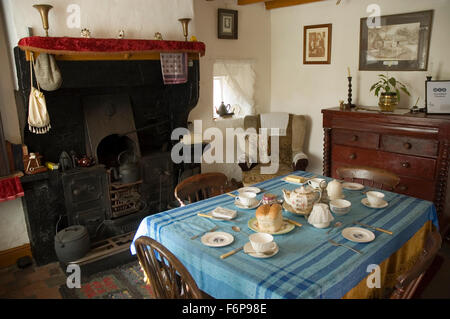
376	228
293	222
231	252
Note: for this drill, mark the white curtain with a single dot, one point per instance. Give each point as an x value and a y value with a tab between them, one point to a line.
238	86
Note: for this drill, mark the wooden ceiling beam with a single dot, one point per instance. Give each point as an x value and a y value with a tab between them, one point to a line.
286	3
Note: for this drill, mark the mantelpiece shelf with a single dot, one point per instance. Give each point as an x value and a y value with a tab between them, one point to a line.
91	49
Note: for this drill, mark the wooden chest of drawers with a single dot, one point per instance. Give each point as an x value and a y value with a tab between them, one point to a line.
415	147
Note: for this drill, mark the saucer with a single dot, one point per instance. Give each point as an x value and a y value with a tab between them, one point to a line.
358	234
248	247
352	186
286	227
217	239
250	189
366	203
241	206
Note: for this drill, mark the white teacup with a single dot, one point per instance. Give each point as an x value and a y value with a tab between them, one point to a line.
246	198
262	242
375	198
317	183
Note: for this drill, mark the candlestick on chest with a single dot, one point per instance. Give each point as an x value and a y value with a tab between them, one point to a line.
349	104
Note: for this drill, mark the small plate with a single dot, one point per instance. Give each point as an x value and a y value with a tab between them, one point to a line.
286	227
366	203
239	205
358	234
250	189
248	247
217	239
352	186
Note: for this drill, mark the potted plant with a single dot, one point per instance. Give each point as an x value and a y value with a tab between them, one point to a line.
388	89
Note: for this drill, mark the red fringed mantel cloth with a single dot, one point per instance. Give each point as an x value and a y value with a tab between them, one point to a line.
10	188
67	45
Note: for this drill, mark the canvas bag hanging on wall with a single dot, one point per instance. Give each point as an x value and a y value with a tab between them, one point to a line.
47	72
38	118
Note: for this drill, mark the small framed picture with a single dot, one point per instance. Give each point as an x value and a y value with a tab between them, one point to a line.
437	97
317	44
227	24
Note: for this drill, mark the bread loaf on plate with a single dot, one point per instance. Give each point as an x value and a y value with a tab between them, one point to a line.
270	218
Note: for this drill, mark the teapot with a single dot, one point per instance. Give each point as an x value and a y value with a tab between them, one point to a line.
85	161
223	109
302	199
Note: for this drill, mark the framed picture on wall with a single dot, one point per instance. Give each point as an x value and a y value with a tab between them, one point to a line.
227	24
437	95
317	44
398	42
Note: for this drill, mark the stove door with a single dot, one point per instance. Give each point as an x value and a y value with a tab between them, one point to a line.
86	193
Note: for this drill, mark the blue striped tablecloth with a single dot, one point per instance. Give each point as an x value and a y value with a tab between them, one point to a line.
306	266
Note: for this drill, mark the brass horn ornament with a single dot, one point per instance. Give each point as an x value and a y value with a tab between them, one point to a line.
185	23
43	10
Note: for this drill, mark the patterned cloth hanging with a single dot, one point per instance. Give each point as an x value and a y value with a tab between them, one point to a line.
174	68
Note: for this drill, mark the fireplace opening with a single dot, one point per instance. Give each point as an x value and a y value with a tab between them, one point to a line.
111	147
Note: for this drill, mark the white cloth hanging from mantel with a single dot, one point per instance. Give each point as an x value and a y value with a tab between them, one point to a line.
38	117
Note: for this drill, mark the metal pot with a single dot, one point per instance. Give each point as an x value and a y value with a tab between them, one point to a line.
129	170
72	243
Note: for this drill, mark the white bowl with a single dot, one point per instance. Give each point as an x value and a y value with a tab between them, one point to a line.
340	206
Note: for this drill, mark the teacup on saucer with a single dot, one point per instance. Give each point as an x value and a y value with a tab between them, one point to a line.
375	198
262	242
366	203
246	199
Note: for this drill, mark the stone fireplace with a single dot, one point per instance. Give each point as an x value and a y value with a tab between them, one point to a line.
103	109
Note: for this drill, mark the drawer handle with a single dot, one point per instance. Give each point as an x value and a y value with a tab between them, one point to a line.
407	146
352	156
354	138
76	192
406	165
402	188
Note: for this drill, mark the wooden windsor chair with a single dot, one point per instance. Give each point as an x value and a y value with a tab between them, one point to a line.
408	282
369	176
167	277
201	186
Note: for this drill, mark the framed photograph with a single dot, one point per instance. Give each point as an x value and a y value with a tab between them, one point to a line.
398	42
227	24
317	44
437	97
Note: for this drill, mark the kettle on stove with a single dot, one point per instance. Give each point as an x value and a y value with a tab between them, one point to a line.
129	169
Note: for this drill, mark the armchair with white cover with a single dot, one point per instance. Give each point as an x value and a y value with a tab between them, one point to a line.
291	156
